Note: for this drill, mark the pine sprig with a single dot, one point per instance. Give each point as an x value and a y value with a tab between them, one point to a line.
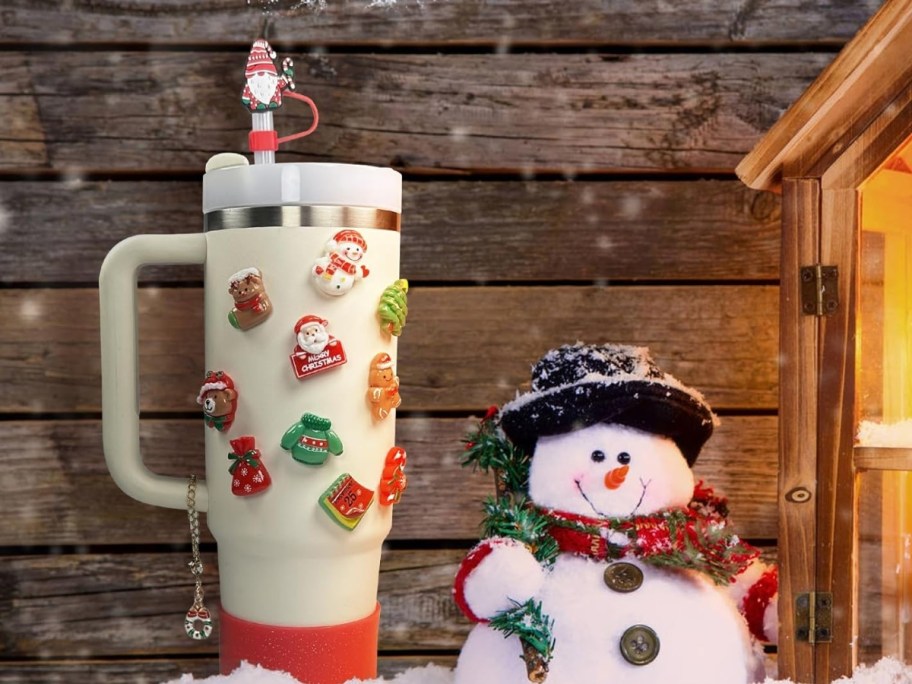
515	518
527	621
488	449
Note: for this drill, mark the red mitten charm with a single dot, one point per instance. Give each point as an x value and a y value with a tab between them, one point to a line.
248	474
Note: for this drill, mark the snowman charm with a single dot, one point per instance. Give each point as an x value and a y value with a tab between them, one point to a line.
337	270
606	563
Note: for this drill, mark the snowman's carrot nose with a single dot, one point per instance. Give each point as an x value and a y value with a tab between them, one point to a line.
615	478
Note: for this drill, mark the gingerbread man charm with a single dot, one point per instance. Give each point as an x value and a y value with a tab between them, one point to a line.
383	390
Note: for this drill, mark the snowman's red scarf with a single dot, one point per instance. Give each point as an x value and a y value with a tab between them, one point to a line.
694	537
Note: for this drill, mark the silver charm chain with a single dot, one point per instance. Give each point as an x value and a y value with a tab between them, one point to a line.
198	622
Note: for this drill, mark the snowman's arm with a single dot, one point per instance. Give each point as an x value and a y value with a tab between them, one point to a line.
756	593
496	575
320	265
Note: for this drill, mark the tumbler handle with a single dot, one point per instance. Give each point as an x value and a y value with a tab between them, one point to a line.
119	367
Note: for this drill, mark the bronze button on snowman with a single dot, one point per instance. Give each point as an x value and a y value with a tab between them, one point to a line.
639	645
623	577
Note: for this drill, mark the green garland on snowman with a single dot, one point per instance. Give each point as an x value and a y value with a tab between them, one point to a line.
601	558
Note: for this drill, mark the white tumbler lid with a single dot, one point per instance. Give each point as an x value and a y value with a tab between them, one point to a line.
231	182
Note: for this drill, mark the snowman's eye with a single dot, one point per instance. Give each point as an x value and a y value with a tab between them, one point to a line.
598	456
623	458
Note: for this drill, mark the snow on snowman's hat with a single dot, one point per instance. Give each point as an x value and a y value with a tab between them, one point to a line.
575	386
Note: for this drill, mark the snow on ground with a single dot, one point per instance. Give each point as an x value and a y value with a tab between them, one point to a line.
886	671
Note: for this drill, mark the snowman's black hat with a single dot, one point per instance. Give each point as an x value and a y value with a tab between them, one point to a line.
575	386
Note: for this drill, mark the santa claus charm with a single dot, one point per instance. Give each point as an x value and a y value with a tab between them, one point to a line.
264	86
251	303
336	271
218	397
248	474
383	390
316	350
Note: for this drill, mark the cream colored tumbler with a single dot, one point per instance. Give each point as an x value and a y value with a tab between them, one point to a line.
298	570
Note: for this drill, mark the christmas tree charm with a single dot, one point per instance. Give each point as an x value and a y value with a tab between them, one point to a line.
393	307
393	480
336	271
346	501
383	390
251	303
311	440
218	397
316	349
264	87
248	474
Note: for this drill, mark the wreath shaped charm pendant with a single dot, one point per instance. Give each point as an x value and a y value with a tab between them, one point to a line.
198	623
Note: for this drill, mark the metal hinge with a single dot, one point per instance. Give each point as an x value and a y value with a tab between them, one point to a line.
819	290
814	617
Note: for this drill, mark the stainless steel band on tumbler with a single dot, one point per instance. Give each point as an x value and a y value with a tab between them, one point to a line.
311	216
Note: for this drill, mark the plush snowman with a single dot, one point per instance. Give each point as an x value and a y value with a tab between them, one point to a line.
643	582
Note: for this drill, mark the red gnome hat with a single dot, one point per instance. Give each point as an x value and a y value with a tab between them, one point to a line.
260	59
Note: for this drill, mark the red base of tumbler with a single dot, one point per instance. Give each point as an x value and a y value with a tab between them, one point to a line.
313	655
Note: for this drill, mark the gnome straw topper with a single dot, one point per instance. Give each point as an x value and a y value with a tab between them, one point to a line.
262	94
604	561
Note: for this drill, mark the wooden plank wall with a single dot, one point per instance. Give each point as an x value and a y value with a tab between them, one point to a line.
568	175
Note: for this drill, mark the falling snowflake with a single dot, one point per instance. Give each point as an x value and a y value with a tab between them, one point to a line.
289	6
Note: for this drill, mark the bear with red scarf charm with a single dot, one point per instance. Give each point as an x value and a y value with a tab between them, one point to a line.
604	561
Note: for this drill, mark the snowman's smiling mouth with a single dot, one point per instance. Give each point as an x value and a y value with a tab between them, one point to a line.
579	487
642	496
643	484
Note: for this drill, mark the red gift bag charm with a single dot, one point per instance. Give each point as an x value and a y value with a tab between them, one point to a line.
248	474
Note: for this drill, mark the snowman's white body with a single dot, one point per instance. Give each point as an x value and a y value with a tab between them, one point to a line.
702	637
336	283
